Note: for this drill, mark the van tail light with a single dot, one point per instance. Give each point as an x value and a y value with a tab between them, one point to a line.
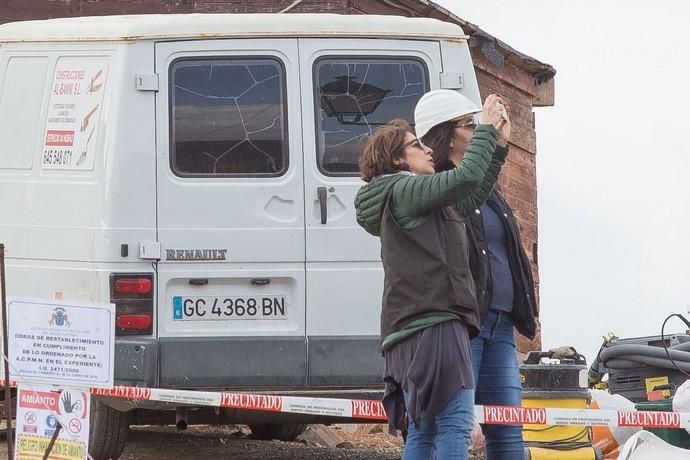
140	285
132	294
134	322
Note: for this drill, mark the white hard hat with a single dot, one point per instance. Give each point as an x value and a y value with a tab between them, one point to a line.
438	106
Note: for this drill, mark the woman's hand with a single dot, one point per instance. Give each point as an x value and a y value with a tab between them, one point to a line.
504	130
496	112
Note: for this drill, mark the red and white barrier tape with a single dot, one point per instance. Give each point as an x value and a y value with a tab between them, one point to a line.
503	415
373	410
347	408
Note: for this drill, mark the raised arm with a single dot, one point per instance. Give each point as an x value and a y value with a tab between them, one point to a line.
475	200
416	196
482	193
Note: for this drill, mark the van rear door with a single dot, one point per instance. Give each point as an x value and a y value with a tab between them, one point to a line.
230	205
357	86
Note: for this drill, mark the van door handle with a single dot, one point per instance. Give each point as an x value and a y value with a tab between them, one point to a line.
323	194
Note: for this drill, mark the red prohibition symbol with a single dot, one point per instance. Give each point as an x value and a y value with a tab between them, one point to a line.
75	426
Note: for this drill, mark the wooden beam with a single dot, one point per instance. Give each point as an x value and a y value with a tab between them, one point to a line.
545	94
507	71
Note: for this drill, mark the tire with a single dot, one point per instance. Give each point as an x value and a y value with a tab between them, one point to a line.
279	432
108	431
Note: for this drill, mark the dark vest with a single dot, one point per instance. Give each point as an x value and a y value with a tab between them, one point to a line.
427	270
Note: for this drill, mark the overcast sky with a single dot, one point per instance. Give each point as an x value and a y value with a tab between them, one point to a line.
612	161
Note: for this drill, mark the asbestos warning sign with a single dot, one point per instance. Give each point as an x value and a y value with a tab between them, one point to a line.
39	412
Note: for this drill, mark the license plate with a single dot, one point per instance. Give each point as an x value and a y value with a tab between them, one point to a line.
210	308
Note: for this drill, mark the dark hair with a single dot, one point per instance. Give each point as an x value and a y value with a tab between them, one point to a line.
438	139
382	149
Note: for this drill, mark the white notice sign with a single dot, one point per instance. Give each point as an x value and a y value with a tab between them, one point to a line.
38	412
74	110
62	343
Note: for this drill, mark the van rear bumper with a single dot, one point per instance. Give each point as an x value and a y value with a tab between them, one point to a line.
231	362
249	362
136	362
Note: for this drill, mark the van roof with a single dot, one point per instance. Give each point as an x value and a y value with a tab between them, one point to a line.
205	26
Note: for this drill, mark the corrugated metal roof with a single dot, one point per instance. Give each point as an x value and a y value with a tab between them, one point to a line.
201	26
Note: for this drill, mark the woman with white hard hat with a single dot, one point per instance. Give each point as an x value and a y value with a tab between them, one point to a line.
429	307
445	121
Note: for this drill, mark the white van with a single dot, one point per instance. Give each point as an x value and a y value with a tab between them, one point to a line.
199	172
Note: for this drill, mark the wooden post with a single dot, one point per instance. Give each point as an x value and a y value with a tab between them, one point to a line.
5	349
49	449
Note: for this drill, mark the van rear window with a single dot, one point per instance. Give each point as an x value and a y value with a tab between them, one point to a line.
228	117
356	95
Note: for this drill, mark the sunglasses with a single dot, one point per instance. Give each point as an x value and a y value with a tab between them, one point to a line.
416	143
466	124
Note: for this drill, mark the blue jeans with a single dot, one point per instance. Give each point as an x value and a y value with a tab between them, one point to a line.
449	431
497	382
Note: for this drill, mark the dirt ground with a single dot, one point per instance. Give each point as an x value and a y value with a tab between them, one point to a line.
235	442
148	443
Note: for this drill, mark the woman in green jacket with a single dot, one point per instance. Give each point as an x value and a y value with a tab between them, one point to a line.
429	310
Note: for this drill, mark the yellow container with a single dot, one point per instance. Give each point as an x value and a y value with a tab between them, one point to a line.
539	453
554	433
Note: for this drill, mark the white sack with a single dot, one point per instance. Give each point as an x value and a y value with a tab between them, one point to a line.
607	401
644	445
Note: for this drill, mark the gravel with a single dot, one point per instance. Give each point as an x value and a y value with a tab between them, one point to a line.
234	442
149	443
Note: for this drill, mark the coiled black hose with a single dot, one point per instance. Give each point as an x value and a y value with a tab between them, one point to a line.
617	355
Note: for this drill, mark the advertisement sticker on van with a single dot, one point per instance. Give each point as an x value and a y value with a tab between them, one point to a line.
76	101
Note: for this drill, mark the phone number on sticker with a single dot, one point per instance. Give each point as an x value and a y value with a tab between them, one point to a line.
210	308
57	157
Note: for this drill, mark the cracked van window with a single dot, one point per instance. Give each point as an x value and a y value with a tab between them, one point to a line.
356	95
228	118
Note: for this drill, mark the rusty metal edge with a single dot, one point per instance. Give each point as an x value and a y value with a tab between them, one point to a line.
8	391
